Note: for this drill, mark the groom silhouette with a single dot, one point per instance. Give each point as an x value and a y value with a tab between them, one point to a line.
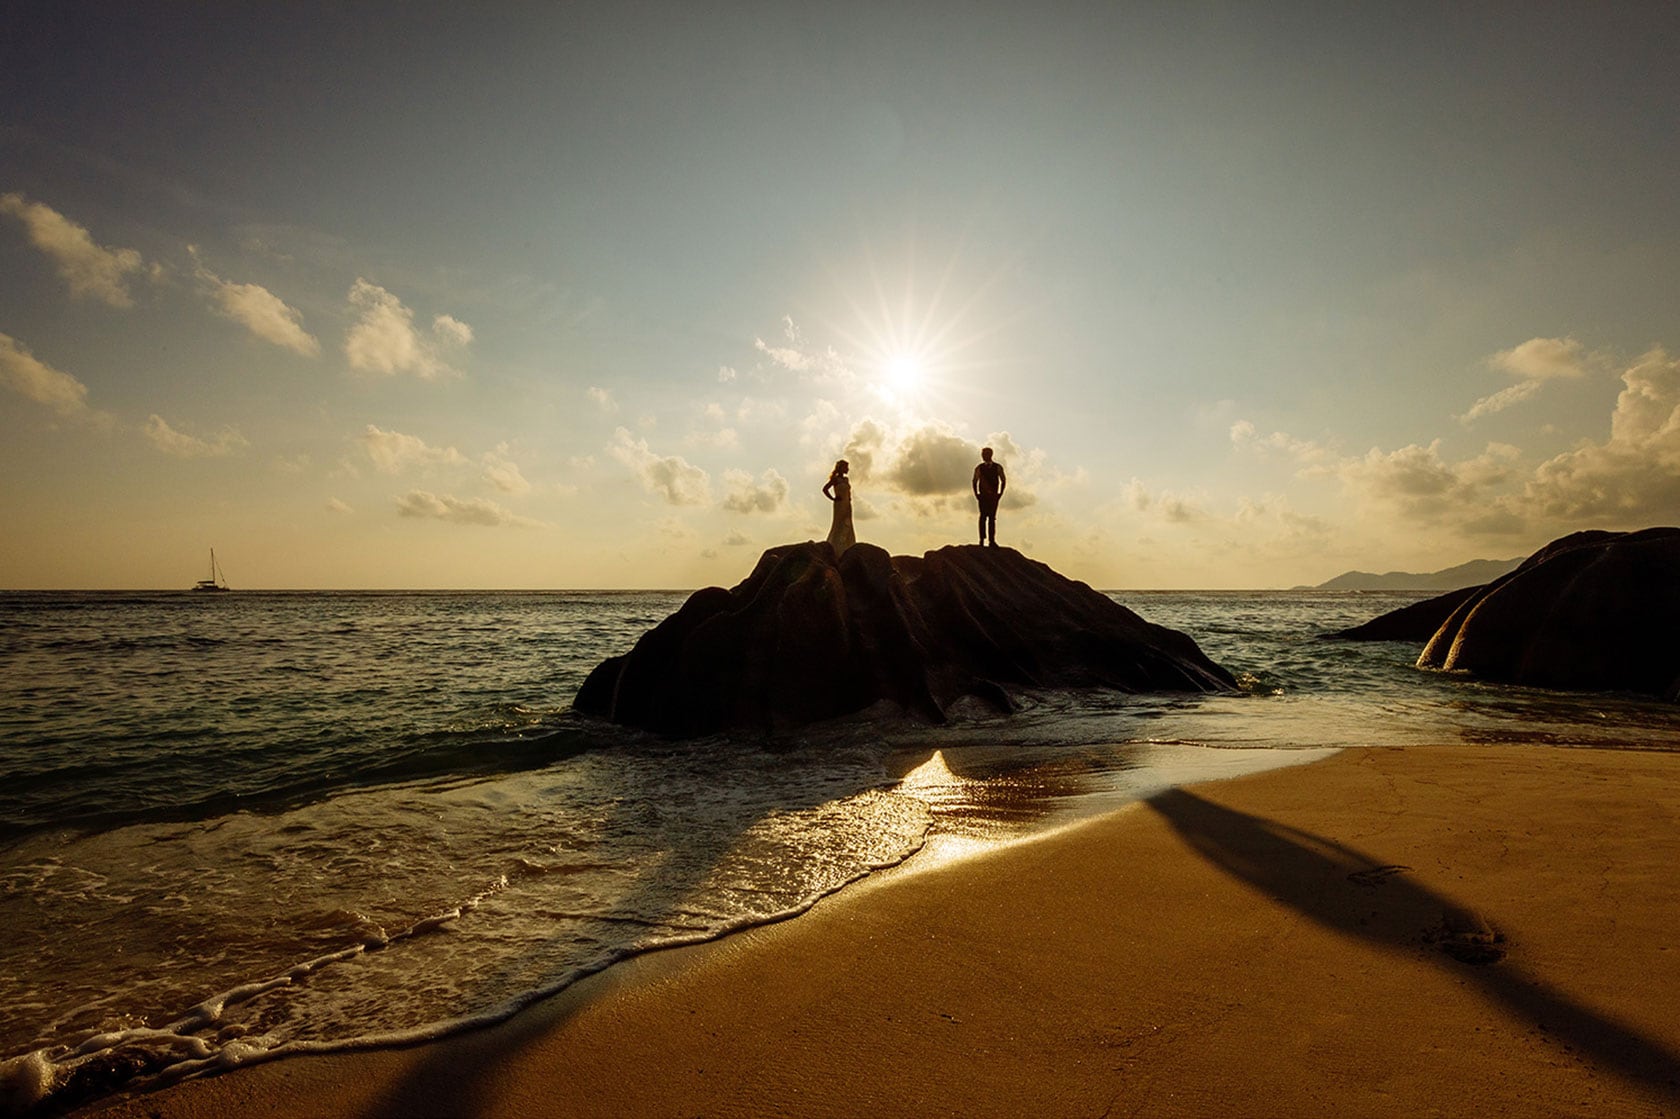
989	483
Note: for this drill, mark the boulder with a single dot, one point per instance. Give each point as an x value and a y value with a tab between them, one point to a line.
1417	622
808	637
1595	611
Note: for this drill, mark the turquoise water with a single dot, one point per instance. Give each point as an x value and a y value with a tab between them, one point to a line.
245	824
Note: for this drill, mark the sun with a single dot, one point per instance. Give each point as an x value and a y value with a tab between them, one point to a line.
903	372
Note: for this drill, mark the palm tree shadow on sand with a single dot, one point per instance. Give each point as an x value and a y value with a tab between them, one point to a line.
1332	884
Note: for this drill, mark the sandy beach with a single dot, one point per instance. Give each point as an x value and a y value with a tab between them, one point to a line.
1420	931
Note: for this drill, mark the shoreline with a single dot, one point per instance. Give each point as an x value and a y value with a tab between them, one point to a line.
1272	943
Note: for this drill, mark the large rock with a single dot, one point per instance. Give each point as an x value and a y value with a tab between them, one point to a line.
1593	611
1596	610
809	637
1417	622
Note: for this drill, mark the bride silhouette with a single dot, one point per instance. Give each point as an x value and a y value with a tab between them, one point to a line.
838	489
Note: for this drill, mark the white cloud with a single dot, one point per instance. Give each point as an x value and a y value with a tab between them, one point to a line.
1633	477
385	341
1314	457
260	311
1535	362
457	510
680	482
503	473
1416	482
603	399
393	451
334	505
736	540
723	439
822	366
451	330
1501	400
87	267
1288	525
820	424
726	374
767	494
1422	485
1541	359
29	376
181	445
1167	506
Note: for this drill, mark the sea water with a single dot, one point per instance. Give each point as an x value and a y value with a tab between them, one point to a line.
234	826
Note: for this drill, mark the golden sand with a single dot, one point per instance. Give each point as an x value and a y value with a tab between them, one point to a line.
1428	931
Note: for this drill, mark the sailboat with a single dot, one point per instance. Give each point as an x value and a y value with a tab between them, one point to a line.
217	581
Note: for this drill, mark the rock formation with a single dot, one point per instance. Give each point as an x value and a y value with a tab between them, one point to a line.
808	637
1417	622
1593	611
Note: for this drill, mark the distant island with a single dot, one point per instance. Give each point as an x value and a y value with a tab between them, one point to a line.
1471	574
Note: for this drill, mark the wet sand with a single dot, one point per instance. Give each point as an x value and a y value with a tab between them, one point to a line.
1453	930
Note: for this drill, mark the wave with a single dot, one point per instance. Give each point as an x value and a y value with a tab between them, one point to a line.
53	799
204	1039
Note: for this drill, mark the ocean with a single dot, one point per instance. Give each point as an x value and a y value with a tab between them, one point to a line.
241	825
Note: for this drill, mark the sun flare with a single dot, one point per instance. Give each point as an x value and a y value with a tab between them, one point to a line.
903	373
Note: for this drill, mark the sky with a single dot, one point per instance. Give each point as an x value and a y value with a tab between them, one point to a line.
594	295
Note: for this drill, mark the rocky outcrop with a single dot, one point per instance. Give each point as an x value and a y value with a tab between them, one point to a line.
1592	611
808	637
1596	610
1417	622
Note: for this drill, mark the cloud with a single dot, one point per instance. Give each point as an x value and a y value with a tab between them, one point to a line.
932	460
1422	485
393	452
736	540
451	330
1168	507
88	268
29	376
1535	362
932	465
260	311
1542	359
503	473
460	511
1501	400
822	366
1416	482
1313	457
723	439
181	445
602	398
384	340
1289	525
1633	477
726	374
767	494
680	482
868	441
334	505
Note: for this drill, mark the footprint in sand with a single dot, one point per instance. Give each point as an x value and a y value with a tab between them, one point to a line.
1466	936
1377	875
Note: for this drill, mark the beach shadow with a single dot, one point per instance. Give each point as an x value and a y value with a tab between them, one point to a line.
1361	896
